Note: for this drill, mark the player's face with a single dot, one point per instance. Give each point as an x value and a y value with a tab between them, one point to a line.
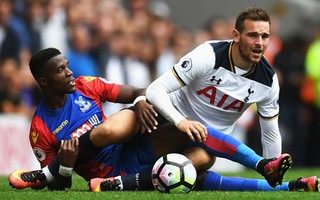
253	40
59	78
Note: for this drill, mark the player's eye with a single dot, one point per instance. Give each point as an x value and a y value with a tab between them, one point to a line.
60	69
253	35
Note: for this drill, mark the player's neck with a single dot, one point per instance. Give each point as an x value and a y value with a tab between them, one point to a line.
55	102
238	60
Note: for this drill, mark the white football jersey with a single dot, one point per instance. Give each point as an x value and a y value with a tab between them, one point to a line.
215	94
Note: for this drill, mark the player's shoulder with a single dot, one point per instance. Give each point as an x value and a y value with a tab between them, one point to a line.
263	73
208	50
212	42
266	66
87	82
85	79
219	47
218	44
92	79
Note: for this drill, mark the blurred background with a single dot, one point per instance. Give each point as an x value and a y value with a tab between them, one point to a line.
134	41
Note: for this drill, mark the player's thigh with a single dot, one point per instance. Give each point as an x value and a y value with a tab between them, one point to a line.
118	128
167	139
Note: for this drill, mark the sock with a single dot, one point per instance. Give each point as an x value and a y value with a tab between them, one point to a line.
145	179
129	182
214	181
293	185
261	164
226	146
139	181
51	170
53	167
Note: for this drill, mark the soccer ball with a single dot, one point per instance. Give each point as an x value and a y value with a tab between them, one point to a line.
174	173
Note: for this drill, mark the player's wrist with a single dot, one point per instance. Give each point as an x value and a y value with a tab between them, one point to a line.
65	171
139	98
178	120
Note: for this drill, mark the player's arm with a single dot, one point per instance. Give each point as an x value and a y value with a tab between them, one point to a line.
268	111
270	137
144	111
112	92
158	94
53	155
67	157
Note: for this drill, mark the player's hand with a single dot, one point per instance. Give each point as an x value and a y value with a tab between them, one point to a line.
68	152
146	116
195	130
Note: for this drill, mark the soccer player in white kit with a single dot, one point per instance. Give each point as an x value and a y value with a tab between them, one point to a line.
218	80
209	89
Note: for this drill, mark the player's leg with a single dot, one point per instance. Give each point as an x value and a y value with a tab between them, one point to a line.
226	146
118	128
142	180
200	158
36	179
138	157
168	140
213	181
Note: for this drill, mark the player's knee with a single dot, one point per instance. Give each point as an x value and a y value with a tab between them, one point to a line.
209	163
205	162
201	159
101	136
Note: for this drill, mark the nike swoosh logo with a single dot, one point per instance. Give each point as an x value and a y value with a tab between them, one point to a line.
270	172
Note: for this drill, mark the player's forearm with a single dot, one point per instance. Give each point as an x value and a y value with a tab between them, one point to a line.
128	94
270	138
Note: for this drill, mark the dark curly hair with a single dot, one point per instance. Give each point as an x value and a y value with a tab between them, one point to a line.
40	59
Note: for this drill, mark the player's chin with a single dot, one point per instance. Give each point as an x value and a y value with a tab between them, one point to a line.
255	59
71	90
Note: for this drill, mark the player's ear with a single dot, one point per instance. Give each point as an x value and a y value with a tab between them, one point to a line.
43	80
235	35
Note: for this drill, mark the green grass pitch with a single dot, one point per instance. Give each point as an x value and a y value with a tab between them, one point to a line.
80	191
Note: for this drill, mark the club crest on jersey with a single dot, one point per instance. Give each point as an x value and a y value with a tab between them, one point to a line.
250	91
186	64
84	105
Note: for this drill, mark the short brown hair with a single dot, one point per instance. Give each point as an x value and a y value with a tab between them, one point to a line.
251	13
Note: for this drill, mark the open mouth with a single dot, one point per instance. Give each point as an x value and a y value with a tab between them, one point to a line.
71	83
257	52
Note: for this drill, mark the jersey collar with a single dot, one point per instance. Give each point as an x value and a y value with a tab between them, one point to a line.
232	68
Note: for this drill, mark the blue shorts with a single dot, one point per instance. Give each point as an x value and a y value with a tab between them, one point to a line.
135	155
